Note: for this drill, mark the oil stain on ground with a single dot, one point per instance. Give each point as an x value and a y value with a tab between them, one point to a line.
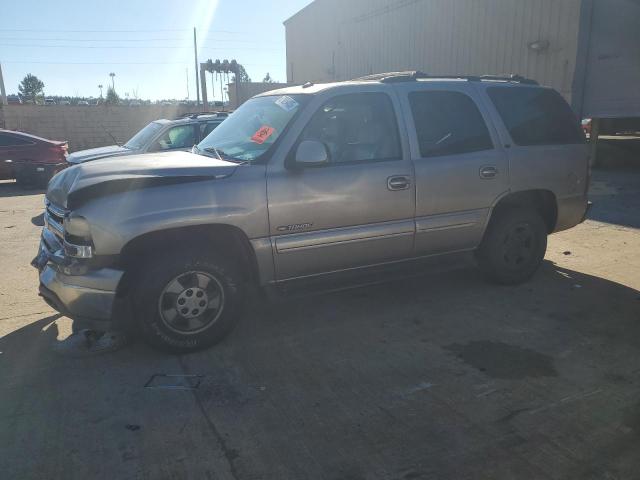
501	360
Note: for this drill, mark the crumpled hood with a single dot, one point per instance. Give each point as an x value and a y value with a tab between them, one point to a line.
112	175
96	153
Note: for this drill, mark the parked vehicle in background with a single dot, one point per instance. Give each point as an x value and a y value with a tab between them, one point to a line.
159	136
83	103
31	160
64	102
310	185
14	100
49	101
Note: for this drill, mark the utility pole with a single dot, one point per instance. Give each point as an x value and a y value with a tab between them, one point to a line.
195	53
113	83
3	93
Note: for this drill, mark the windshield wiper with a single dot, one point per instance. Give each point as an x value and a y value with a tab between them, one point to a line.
223	156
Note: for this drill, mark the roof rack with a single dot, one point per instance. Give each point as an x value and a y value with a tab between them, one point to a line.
413	75
202	114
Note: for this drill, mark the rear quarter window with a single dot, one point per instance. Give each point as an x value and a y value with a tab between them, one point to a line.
8	140
536	116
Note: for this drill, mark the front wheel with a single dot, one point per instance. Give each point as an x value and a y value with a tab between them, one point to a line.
186	302
513	247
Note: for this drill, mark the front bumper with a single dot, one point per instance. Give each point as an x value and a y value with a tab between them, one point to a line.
88	297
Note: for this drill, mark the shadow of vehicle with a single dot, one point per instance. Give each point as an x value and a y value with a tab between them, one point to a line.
400	380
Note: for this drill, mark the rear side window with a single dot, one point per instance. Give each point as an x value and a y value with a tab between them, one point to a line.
536	116
207	128
7	140
448	123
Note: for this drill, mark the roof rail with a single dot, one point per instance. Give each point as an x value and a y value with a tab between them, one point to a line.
201	114
413	75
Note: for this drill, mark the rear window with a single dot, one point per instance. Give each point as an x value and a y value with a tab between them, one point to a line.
536	116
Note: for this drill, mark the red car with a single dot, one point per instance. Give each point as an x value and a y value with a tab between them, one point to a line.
29	159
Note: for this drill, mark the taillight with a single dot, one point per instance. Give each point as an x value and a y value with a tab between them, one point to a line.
60	149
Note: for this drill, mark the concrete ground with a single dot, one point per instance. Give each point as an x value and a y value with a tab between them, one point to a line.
442	376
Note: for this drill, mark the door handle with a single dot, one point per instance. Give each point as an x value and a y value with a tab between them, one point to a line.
488	172
398	182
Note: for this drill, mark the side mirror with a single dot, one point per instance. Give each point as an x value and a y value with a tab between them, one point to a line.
311	153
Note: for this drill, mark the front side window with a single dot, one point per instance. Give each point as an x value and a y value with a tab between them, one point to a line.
536	116
144	136
249	132
357	127
182	136
448	123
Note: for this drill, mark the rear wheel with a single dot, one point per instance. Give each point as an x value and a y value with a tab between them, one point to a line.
187	301
514	246
22	179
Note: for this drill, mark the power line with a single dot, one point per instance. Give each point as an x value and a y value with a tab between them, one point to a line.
114	31
124	63
224	40
34	45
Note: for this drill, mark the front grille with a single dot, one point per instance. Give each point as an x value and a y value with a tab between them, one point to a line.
54	218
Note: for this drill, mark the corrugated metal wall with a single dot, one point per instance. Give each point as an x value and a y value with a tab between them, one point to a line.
612	82
338	40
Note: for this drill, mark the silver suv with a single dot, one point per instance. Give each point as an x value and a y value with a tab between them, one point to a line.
312	184
158	136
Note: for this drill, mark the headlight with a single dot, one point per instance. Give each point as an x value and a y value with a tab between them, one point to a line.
77	237
77	227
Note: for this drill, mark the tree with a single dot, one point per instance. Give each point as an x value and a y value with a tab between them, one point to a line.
242	74
112	97
267	79
31	87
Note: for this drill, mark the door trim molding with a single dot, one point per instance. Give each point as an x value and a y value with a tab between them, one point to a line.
363	233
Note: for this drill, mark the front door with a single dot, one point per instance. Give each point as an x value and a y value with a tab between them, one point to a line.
357	209
460	171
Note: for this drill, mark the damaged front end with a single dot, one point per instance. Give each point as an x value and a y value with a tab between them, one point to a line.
72	280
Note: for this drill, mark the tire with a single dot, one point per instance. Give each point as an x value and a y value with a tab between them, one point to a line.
23	180
43	181
183	302
513	246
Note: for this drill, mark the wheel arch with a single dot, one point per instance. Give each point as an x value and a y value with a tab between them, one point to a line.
211	237
542	200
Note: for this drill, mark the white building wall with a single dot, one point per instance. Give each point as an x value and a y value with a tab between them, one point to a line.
338	40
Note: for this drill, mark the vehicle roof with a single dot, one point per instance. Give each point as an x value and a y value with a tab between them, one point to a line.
402	77
28	135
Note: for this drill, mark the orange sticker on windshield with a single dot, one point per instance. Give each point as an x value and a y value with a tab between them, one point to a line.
262	134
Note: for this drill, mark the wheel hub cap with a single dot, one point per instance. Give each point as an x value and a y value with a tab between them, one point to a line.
191	302
518	245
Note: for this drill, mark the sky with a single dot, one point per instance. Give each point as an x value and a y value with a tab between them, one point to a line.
73	45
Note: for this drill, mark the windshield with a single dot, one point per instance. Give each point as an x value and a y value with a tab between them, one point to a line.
144	136
249	132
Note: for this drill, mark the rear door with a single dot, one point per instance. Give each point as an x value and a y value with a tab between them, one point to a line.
461	169
13	148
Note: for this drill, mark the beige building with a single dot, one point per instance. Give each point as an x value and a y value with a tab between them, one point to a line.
589	50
